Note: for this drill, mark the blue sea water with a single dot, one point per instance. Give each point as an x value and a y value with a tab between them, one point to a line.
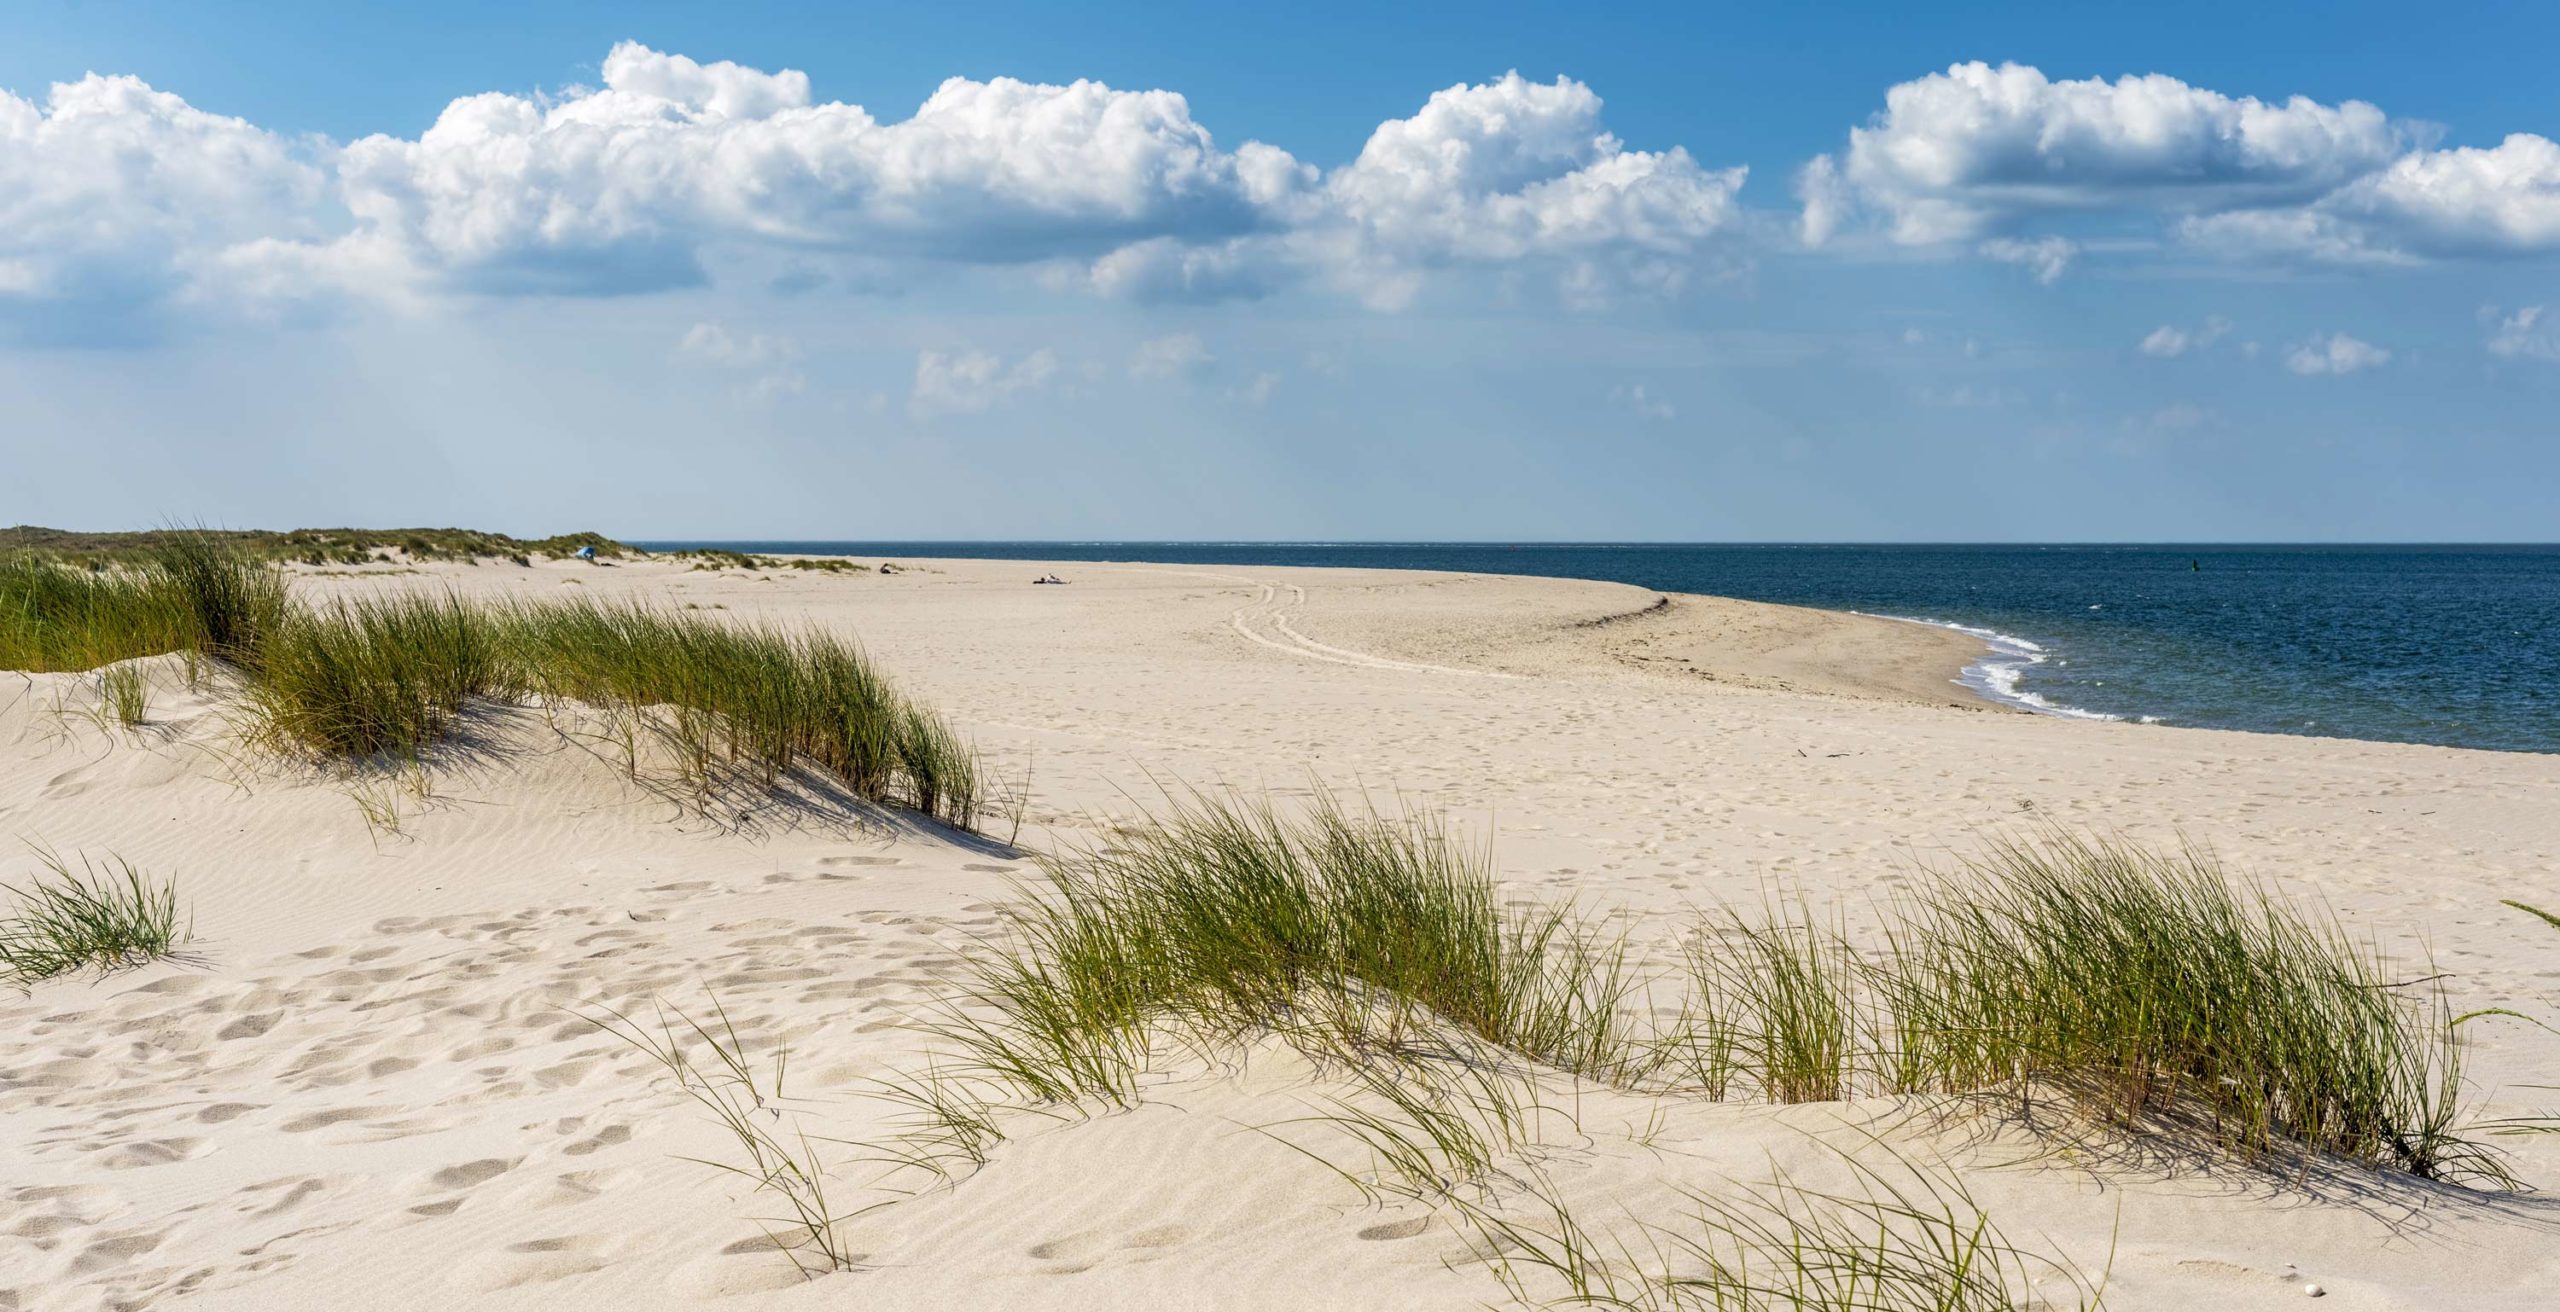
2455	645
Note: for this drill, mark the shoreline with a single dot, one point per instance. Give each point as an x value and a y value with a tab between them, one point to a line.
1995	677
2164	669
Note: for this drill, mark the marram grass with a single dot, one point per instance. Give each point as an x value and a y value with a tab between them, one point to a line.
390	677
58	617
2147	993
393	676
1341	932
1382	950
101	916
2151	991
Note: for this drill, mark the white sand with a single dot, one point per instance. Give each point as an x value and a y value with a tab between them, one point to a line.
370	1089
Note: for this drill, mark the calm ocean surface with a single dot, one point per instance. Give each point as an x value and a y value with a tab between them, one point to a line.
2439	644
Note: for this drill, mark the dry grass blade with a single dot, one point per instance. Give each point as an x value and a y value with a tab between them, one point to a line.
778	1160
1898	1239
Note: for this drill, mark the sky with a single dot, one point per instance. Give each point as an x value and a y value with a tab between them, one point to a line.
1495	272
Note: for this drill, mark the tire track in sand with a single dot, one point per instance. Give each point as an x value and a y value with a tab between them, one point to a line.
1284	636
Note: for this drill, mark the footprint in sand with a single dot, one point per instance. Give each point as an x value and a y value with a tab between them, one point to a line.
310	1121
113	1251
604	1138
1396	1228
531	1262
149	1152
471	1173
295	1191
172	984
1404	1229
570	1188
249	1027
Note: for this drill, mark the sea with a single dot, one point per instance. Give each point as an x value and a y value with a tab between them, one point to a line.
2452	645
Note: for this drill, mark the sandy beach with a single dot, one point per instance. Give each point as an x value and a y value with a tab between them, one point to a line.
374	1080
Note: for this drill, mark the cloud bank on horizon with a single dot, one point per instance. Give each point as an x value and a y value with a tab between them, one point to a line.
127	204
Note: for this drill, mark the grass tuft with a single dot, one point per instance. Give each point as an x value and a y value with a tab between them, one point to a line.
388	678
374	678
2152	987
105	916
231	600
124	695
1343	933
56	617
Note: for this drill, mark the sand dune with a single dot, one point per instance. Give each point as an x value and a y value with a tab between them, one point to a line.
375	1081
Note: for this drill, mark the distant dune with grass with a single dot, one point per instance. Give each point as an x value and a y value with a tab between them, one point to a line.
434	918
376	680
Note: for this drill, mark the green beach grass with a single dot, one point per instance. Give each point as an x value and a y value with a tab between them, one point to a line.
387	678
101	915
2146	993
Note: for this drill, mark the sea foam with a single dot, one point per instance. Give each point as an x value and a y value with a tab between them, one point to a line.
2001	673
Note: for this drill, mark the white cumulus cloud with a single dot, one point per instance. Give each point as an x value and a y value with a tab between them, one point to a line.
1957	154
1981	154
2336	354
117	196
1504	173
2504	200
626	186
2432	204
1513	168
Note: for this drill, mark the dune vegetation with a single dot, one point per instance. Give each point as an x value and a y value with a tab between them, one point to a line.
2083	986
2148	992
55	618
308	546
97	916
388	678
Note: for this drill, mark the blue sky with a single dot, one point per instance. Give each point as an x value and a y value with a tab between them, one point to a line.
1694	273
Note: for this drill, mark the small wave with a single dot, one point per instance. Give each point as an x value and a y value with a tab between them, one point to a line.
2000	673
